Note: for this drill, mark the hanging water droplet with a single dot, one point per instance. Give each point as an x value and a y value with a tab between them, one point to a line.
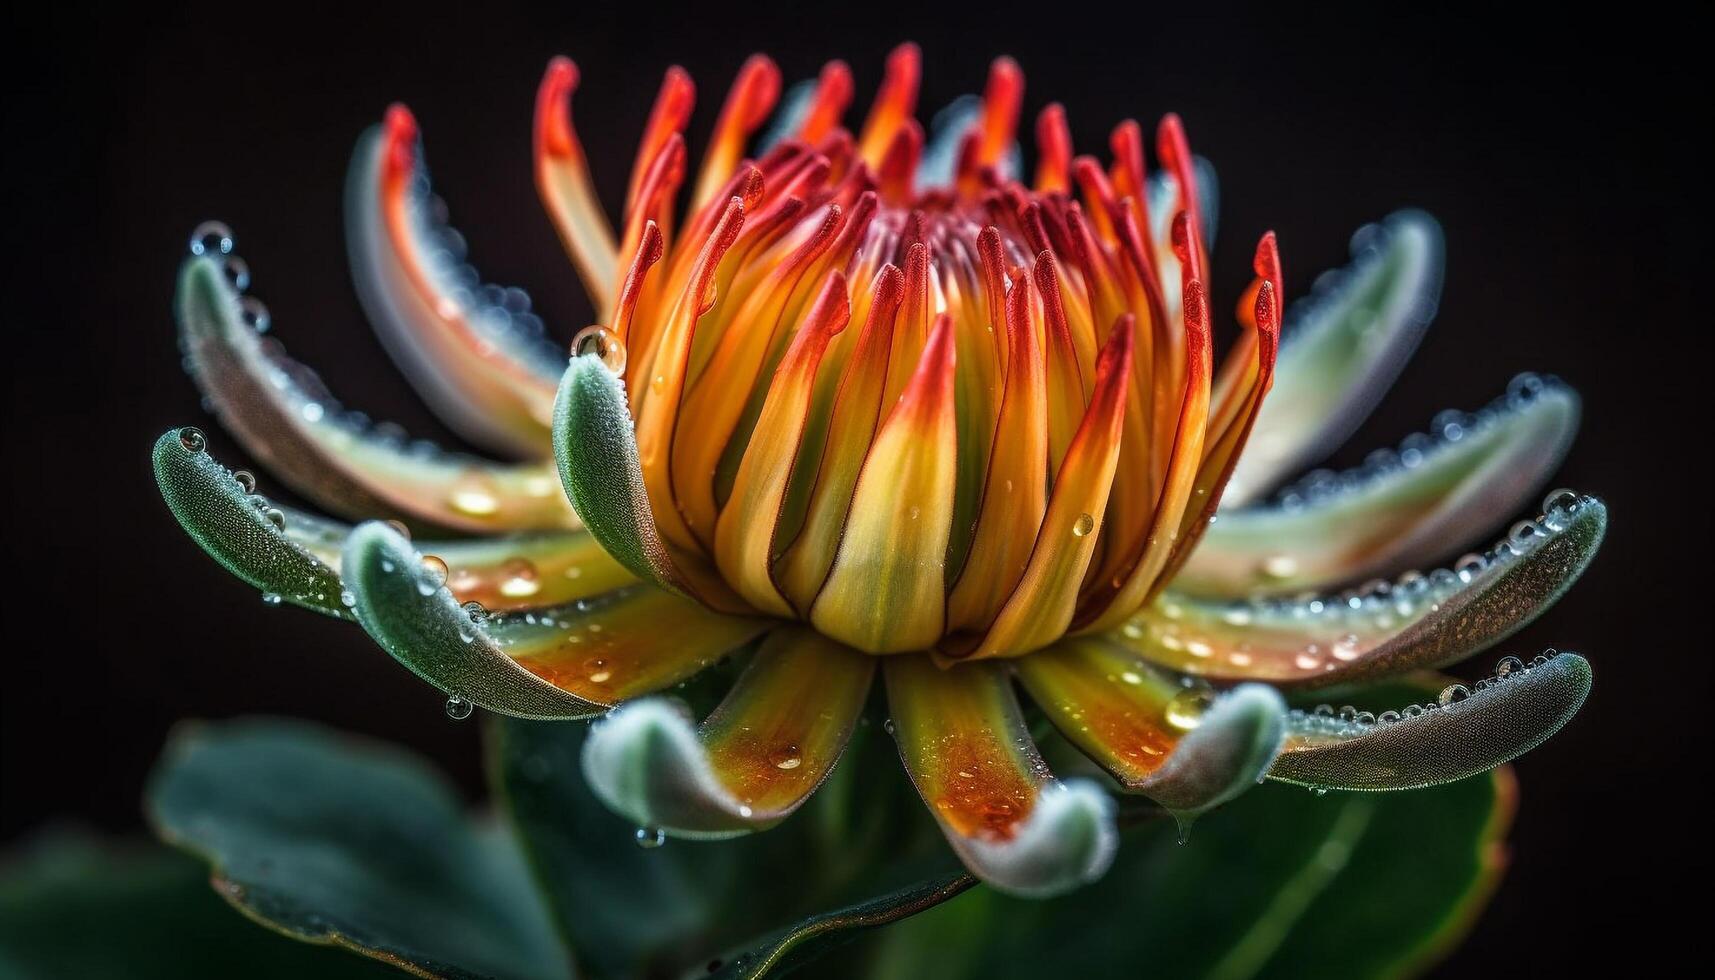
211	238
1186	709
1452	694
1469	567
475	612
276	517
1083	525
246	481
255	314
603	343
1507	666
347	598
434	575
458	709
786	757
650	837
270	598
237	272
1523	532
192	439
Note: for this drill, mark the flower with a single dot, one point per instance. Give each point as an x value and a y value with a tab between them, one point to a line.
872	404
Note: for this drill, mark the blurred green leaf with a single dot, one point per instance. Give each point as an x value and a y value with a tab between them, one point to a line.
76	906
1281	882
339	841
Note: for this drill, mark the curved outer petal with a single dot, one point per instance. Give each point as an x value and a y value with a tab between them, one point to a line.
1506	716
1341	348
474	352
763	751
596	448
415	618
1422	621
967	749
1180	745
279	411
1399	510
886	591
232	525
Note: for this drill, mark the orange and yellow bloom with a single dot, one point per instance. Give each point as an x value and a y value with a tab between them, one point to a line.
874	403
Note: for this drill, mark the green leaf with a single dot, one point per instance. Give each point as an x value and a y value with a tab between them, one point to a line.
337	841
233	526
76	906
1281	881
790	948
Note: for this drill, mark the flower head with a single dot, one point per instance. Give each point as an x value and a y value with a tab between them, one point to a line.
873	403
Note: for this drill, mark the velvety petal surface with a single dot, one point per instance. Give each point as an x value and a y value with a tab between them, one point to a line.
1341	348
1401	509
1417	622
1466	730
288	420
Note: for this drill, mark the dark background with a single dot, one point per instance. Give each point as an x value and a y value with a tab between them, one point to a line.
1566	161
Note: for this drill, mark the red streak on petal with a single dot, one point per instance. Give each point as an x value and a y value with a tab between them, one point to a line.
649	250
894	104
554	133
1175	152
399	131
672	110
1001	101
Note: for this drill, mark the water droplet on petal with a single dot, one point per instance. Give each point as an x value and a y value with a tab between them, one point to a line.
475	612
1507	666
347	598
255	314
400	529
1453	694
246	480
271	598
650	837
1279	566
786	757
1185	710
458	709
603	343
211	238
276	517
1083	525
192	439
520	580
434	574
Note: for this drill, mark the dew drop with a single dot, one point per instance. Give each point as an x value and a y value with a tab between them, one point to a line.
474	496
347	598
599	672
276	517
1452	694
1186	709
1279	566
434	574
887	726
1561	501
650	838
270	598
246	480
1083	525
475	612
237	272
192	439
458	709
787	757
255	314
211	238
400	529
603	343
1508	666
521	580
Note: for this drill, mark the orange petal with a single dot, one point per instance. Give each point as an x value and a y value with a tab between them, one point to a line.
563	179
1042	606
744	538
763	751
747	105
966	747
894	104
621	645
1054	150
856	412
887	590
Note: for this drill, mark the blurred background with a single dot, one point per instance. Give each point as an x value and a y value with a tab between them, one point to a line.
1566	161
